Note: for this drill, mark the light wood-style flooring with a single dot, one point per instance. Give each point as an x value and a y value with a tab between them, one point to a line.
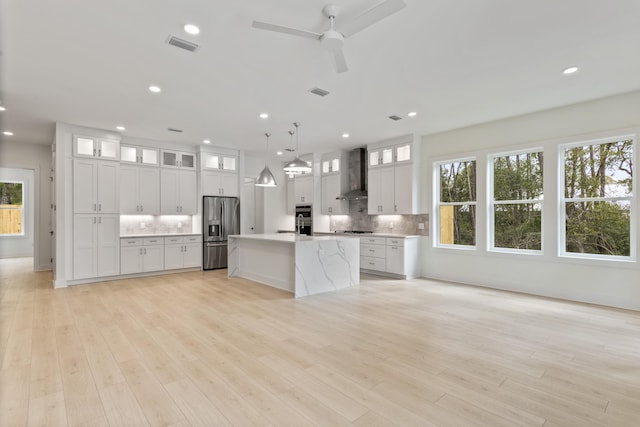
199	349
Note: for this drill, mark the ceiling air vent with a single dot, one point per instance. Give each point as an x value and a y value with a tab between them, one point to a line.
174	130
182	44
396	118
319	92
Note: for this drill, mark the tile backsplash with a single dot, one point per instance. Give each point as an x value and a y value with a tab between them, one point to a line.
155	224
359	219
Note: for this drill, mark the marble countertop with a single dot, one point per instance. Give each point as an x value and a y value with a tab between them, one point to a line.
292	238
399	236
129	236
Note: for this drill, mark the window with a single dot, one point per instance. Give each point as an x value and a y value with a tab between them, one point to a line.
597	198
516	204
11	208
456	205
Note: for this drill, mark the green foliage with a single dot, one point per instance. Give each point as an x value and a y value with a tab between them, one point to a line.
10	193
601	228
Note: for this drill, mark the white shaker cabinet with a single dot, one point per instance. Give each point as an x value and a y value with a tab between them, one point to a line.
139	190
96	245
332	187
392	256
95	186
219	183
140	155
303	189
177	159
403	196
182	252
381	191
140	255
177	192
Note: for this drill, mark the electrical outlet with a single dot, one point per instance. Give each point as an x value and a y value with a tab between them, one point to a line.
391	225
421	226
142	225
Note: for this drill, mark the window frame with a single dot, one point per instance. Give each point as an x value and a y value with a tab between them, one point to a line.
563	200
491	203
437	203
22	208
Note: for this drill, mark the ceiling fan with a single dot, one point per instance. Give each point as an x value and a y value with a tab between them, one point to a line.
333	39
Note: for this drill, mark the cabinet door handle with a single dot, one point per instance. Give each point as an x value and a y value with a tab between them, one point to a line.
140	251
100	152
145	251
141	208
94	207
94	152
177	208
100	207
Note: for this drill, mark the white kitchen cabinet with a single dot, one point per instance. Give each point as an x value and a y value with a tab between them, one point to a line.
177	192
303	189
140	155
95	147
393	191
139	190
332	187
95	186
291	203
182	252
141	254
96	245
219	183
381	191
393	256
221	162
177	159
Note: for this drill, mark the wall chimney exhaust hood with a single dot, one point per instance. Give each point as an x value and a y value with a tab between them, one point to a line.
357	176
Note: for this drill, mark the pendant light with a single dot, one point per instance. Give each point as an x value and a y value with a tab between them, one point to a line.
266	178
297	165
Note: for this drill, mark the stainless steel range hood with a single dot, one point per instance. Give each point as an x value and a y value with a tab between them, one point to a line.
357	176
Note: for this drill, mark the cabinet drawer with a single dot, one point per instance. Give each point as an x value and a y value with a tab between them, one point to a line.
395	241
374	251
173	240
368	263
148	241
193	239
373	240
135	241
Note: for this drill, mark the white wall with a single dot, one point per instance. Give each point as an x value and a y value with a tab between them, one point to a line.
38	158
602	282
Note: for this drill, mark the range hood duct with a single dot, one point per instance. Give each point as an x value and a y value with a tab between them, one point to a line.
357	176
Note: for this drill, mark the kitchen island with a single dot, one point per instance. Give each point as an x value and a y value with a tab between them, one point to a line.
303	265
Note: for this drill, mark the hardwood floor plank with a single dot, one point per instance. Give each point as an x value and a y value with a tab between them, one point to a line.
200	348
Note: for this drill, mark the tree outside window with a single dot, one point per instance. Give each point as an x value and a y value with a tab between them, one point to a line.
457	203
598	197
516	205
11	208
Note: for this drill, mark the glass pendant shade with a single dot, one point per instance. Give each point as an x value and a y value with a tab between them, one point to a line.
266	178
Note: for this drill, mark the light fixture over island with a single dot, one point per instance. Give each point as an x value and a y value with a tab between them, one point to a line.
303	265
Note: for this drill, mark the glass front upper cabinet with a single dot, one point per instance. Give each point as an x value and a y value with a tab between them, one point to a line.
220	162
101	148
142	155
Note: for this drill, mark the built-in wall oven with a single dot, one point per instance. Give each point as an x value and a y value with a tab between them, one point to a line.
304	219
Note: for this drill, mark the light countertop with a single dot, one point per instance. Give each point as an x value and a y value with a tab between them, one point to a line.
129	236
291	238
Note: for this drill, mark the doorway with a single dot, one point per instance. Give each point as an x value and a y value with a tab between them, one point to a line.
16	212
248	225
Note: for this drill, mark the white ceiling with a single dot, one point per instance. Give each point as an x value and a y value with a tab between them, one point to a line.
454	62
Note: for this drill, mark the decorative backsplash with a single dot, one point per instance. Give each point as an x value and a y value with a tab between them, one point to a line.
155	224
359	220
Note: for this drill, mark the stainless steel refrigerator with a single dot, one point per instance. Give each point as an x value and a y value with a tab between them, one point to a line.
220	218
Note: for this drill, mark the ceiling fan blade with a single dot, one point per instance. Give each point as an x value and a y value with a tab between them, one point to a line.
371	16
341	62
286	30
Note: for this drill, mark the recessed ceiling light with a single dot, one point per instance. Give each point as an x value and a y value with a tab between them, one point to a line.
345	135
191	29
2	108
206	141
570	70
6	132
412	114
279	153
264	116
120	127
155	89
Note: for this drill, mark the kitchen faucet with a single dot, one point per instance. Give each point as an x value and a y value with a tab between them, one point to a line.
299	221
